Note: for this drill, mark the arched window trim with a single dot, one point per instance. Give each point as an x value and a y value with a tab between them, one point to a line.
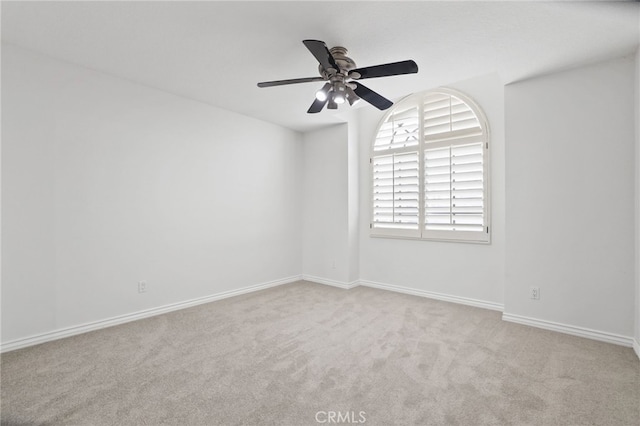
453	138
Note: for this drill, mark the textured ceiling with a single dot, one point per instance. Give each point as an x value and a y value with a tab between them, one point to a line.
216	52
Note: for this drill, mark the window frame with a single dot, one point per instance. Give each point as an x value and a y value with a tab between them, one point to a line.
417	100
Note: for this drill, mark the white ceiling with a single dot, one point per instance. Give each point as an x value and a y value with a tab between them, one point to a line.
216	52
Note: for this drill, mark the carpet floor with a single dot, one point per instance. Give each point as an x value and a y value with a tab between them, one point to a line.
309	354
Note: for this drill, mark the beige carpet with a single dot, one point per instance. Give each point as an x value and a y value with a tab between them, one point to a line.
293	354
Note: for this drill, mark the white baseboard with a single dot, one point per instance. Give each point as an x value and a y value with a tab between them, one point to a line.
433	295
327	281
571	329
547	325
96	325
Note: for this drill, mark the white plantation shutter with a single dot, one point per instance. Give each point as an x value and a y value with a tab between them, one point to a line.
396	191
430	170
454	188
445	114
400	130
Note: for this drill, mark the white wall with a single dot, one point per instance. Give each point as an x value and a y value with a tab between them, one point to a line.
570	197
637	211
325	236
106	182
431	266
353	159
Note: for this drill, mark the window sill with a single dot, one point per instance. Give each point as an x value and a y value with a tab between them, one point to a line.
437	240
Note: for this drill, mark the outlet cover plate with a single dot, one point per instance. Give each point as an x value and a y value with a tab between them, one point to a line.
534	293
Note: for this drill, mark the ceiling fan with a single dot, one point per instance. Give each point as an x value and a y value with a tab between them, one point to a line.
340	74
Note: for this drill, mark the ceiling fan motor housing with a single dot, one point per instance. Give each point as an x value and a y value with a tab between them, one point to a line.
344	62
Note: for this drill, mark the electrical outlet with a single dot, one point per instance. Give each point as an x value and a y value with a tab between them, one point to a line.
333	264
534	293
142	286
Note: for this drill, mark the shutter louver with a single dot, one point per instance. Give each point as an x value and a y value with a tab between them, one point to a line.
445	114
396	191
454	188
400	130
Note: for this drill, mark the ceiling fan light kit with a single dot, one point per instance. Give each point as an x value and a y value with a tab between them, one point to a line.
340	72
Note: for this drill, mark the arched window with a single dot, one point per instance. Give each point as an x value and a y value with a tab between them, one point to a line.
429	167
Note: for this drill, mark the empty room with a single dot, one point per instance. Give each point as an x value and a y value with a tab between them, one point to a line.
318	212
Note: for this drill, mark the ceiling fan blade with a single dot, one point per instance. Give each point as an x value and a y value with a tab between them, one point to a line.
386	70
372	97
318	104
291	81
321	52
